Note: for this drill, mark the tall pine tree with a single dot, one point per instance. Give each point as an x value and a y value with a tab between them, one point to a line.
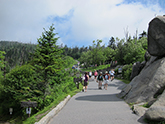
47	58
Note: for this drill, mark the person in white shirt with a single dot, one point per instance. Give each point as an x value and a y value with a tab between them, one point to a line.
90	74
112	74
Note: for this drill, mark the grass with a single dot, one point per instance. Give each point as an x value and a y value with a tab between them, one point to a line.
123	80
145	105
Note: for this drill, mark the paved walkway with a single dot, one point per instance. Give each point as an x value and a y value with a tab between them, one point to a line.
97	107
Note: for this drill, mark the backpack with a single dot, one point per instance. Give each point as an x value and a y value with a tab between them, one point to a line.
100	77
106	77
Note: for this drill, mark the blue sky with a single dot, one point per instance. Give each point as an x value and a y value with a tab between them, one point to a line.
77	22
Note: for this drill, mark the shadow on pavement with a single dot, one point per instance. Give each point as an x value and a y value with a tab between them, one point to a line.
99	98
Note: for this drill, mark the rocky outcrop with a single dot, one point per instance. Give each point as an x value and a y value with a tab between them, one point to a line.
135	70
137	67
139	109
125	91
156	36
147	56
157	110
148	85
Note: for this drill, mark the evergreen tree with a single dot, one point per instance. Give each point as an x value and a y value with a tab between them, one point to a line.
111	43
47	56
143	34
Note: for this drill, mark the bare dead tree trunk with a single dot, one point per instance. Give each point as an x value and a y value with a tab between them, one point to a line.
126	33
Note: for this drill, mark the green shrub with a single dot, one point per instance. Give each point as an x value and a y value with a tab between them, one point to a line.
19	85
23	84
116	71
126	71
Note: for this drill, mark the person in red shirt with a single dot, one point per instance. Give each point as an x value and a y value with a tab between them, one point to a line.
95	74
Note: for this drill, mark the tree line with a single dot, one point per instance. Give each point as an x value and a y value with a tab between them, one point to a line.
124	52
17	53
121	50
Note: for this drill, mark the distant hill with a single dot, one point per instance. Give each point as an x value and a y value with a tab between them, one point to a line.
16	53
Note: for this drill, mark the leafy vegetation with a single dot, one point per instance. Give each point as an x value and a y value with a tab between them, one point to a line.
123	52
44	78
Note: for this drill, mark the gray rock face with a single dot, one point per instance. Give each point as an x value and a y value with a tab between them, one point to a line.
155	113
147	56
147	83
156	36
139	110
135	70
125	91
157	110
137	67
151	60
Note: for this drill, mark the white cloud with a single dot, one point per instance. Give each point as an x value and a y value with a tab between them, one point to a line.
24	20
106	21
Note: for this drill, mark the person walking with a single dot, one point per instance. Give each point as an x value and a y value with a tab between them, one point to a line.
95	74
112	74
90	74
106	79
85	82
100	80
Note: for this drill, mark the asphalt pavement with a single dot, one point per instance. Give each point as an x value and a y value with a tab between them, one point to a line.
97	107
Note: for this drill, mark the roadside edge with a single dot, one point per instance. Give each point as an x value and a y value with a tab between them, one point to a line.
53	112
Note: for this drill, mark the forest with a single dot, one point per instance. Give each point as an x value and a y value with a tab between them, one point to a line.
43	72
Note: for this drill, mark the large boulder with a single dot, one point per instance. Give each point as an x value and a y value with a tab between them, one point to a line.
139	110
147	86
124	91
135	70
137	67
156	36
147	83
151	60
157	111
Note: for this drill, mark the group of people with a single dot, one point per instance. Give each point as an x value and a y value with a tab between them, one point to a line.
106	77
99	78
